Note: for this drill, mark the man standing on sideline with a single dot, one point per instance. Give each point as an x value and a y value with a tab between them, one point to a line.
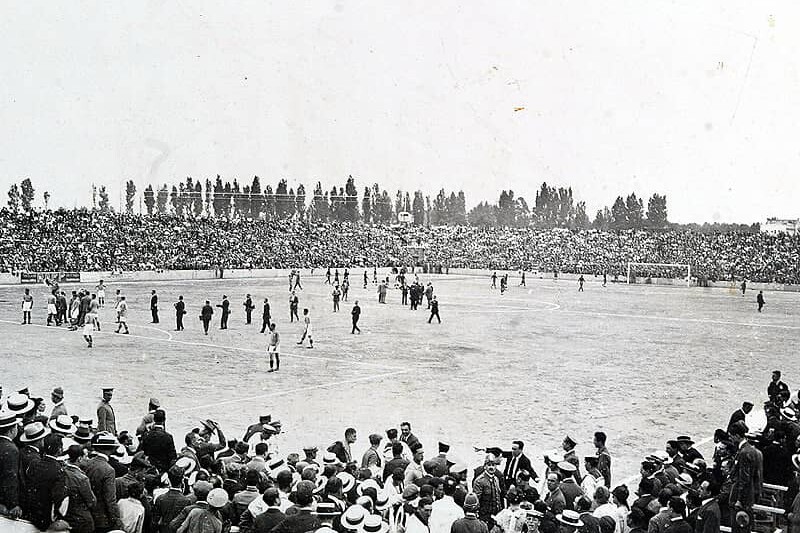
434	310
106	421
307	331
294	303
746	474
356	313
226	310
265	316
522	281
274	349
180	310
494	280
57	397
777	389
581	281
248	309
205	316
759	301
154	306
603	457
404	293
297	280
122	312
27	305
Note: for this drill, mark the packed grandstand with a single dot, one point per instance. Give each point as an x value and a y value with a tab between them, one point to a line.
84	240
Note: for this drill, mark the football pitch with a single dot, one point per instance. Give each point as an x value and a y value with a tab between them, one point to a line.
642	363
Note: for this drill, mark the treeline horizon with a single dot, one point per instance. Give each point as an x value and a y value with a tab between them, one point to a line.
553	207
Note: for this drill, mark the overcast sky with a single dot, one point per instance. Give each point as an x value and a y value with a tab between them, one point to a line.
696	100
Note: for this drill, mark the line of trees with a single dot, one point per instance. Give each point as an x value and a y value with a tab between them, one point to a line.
553	207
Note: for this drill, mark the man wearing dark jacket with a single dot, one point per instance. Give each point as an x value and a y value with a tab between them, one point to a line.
102	479
273	516
265	316
180	310
205	316
9	466
158	445
740	414
708	516
226	311
154	306
170	504
302	520
47	487
746	474
470	523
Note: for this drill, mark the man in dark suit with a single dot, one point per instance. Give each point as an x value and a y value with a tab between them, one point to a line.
170	504
516	461
154	306
205	316
226	311
406	436
273	515
248	309
746	474
708	516
740	414
158	445
9	466
440	462
102	479
47	488
265	316
777	390
303	520
180	310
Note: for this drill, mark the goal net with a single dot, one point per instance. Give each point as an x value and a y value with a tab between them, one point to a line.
646	273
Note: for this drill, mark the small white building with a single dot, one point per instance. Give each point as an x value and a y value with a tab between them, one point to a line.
773	226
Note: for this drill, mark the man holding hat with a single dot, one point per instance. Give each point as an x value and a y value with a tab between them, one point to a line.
57	397
102	479
9	466
470	522
106	420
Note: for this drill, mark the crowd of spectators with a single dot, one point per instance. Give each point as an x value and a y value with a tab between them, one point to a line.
83	240
62	471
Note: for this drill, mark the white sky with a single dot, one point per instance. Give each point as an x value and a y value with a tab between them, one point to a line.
697	100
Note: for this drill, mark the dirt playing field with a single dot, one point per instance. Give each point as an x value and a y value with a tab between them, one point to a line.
642	363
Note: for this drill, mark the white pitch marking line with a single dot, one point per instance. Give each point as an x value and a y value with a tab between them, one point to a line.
284	392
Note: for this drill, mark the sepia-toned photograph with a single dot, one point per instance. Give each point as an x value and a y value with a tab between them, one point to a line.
400	267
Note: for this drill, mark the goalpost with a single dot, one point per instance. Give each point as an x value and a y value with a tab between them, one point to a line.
660	270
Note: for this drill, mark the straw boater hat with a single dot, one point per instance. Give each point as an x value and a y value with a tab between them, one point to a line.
353	517
62	424
373	524
19	404
326	509
366	484
348	481
684	480
105	442
217	498
33	432
796	460
570	518
7	419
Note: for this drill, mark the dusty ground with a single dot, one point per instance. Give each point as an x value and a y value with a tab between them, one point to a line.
642	363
